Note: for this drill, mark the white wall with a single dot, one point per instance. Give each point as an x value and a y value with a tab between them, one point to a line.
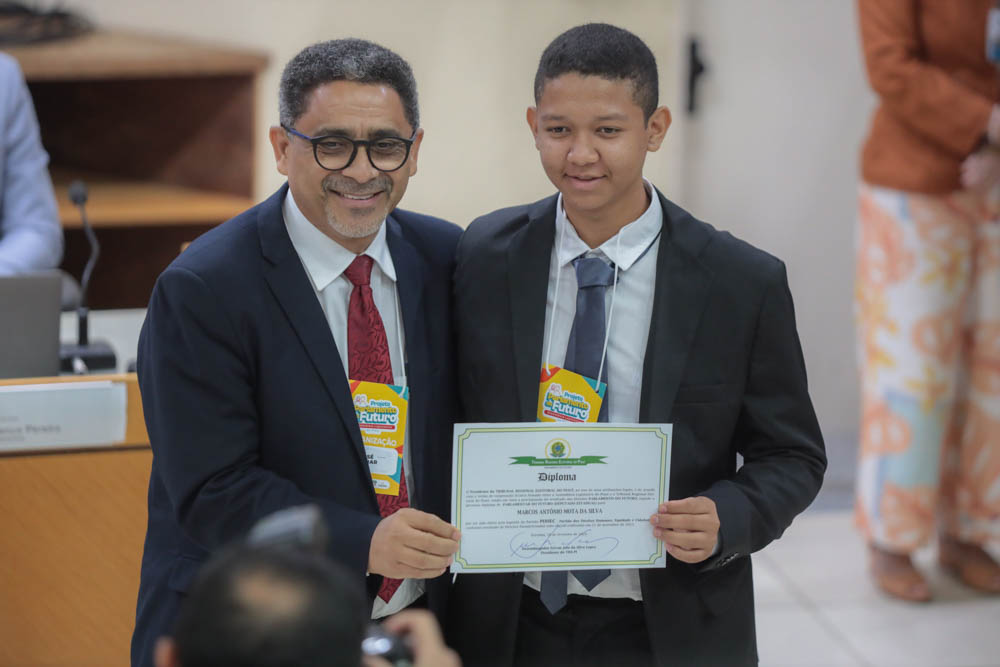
772	155
474	61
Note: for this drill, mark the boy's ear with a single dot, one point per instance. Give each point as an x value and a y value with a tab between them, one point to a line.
656	128
532	117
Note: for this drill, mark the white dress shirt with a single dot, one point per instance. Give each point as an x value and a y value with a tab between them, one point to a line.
634	250
325	261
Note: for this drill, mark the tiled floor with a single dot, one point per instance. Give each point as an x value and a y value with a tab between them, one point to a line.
815	607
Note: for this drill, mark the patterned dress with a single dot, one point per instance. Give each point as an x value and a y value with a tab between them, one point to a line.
928	314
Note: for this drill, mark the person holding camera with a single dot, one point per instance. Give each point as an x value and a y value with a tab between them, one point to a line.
274	607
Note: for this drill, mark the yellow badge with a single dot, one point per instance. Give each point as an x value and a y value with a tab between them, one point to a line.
565	396
381	411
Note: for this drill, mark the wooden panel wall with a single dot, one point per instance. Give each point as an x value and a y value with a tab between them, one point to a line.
72	525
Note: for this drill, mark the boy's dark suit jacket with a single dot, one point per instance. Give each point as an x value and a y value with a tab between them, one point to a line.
248	407
723	365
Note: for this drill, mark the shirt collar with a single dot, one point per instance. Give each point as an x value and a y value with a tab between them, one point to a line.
635	237
323	258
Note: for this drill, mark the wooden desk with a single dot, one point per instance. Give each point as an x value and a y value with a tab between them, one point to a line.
161	129
71	534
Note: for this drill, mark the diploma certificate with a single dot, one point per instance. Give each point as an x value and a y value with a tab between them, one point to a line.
552	496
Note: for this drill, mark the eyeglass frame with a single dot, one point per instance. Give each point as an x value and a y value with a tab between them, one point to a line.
355	143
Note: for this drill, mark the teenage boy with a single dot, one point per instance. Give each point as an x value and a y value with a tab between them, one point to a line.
702	336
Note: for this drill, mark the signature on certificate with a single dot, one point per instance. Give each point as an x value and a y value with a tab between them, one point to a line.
524	546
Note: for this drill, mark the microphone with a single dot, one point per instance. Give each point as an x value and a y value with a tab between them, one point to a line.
85	356
78	192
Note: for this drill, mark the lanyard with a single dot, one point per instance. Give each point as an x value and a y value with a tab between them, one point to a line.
555	301
399	333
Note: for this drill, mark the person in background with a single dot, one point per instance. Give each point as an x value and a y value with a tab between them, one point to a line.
31	237
928	293
267	608
277	607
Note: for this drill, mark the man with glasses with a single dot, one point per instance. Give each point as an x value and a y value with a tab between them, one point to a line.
301	353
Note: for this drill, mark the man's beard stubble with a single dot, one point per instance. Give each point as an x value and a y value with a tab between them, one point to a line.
360	226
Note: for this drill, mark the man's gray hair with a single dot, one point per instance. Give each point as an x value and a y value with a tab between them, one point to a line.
339	60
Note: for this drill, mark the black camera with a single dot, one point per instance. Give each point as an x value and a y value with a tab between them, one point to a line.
380	643
303	528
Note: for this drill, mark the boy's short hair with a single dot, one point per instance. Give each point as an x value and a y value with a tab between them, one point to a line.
599	49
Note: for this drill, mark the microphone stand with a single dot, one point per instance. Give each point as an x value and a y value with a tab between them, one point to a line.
85	356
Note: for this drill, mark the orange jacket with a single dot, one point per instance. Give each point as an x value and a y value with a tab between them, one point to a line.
926	60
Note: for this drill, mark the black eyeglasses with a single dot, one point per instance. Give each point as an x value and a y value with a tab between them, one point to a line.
334	152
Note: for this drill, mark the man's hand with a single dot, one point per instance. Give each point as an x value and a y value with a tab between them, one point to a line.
689	528
418	628
412	544
981	170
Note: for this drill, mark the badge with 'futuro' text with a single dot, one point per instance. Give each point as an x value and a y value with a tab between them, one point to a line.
381	411
565	396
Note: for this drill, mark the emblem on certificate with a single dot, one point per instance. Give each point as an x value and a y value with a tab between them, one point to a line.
557	455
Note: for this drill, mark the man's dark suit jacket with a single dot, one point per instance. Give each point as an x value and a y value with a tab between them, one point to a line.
249	410
723	365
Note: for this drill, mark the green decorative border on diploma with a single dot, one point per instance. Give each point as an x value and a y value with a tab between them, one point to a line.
548	566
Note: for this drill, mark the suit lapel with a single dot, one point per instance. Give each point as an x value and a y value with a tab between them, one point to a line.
528	257
679	298
410	271
291	287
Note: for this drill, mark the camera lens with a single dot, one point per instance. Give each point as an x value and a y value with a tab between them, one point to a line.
376	645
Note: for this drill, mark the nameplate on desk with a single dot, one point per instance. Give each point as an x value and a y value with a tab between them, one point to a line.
61	415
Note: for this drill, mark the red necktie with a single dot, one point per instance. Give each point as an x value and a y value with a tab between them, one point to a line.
368	359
